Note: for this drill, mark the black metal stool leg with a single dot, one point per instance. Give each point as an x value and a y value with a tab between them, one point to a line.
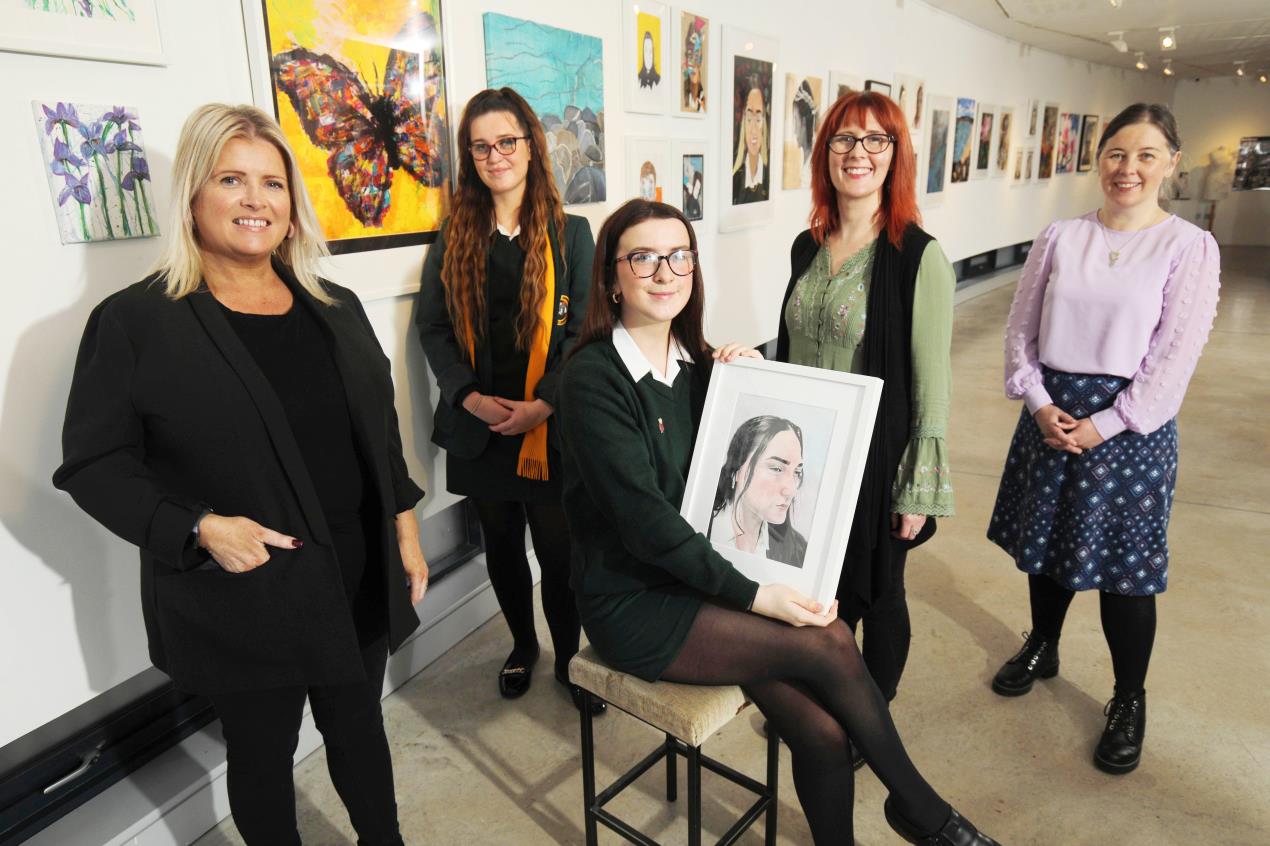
672	770
694	795
588	770
773	784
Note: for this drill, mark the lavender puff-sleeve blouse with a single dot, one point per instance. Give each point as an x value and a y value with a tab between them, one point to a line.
1145	318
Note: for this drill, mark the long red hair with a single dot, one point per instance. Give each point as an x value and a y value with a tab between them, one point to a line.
899	191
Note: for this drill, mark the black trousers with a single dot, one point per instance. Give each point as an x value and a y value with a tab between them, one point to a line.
262	728
887	630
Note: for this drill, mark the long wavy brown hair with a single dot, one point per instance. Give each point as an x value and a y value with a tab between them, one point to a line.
468	231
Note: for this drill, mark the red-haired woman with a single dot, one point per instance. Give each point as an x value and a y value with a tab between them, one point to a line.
864	254
503	293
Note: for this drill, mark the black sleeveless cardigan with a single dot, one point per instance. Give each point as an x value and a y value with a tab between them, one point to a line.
866	573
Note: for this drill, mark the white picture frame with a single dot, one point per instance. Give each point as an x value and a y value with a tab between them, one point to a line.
650	159
694	149
841	81
979	150
647	89
802	107
1004	142
695	107
745	52
136	41
753	402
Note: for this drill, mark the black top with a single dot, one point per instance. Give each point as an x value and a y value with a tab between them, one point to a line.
295	356
506	270
170	413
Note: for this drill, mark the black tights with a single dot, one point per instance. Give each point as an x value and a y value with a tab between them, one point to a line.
503	527
1128	623
887	630
814	689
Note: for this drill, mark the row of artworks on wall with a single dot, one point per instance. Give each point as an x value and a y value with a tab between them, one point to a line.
360	93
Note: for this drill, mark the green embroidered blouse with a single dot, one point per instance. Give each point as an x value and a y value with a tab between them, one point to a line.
826	316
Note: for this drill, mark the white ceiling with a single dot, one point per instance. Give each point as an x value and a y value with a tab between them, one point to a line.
1211	34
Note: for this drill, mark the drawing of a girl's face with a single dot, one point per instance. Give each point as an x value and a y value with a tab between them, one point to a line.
774	478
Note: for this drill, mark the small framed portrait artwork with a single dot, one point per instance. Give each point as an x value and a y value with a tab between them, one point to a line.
776	470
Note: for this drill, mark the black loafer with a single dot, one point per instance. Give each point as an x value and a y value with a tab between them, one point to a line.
598	706
958	831
516	676
1038	659
1120	748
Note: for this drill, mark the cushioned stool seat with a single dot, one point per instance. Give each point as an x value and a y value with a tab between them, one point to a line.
688	715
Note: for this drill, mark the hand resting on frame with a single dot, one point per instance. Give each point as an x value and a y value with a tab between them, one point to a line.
782	602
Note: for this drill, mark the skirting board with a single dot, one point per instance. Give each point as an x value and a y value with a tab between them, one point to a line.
179	796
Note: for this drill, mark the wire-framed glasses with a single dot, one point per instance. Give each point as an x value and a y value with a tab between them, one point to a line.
505	146
644	263
873	143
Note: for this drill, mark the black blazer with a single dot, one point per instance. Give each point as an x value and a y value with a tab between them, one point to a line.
169	414
454	430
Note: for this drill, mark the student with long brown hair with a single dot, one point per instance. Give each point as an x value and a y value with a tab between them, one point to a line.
502	297
865	254
657	600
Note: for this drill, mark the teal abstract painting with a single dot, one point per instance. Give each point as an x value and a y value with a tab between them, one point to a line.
561	75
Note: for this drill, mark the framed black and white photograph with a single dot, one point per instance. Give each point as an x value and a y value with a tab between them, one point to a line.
776	470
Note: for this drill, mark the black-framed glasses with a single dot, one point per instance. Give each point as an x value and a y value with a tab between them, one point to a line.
873	143
505	146
644	263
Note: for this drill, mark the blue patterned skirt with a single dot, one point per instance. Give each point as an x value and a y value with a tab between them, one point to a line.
1097	520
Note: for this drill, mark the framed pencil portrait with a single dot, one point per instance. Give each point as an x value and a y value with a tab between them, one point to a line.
776	469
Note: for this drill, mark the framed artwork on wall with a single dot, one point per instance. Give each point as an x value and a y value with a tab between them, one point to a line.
963	139
1032	119
1049	135
1252	166
361	98
878	86
561	74
95	161
1068	141
808	429
650	173
746	158
107	30
692	195
938	122
691	44
842	82
1088	143
804	101
985	125
1005	138
645	72
910	96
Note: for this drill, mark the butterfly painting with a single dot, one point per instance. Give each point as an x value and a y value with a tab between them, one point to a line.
367	121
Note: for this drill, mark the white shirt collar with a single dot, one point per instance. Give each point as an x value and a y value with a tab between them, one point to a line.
758	174
504	232
723	530
638	365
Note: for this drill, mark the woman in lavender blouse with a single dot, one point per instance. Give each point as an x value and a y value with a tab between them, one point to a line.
1111	313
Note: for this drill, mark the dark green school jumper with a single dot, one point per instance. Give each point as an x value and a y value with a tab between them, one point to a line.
639	571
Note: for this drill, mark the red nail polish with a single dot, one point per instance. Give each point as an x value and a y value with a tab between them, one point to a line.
296	543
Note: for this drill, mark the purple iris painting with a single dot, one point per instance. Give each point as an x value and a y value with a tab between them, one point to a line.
97	170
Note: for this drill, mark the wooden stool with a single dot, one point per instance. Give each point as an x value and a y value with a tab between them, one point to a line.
687	714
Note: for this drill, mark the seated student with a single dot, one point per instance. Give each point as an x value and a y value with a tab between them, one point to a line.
656	600
758	483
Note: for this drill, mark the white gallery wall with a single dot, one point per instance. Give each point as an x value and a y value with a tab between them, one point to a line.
1214	114
69	592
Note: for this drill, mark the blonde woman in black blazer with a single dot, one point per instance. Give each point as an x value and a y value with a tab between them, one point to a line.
232	415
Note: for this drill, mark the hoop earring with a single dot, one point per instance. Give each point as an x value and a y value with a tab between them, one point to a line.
616	297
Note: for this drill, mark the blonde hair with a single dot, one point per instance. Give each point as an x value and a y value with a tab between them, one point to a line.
206	132
740	144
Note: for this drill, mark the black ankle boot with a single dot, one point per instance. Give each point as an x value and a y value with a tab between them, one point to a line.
1038	659
958	831
1120	747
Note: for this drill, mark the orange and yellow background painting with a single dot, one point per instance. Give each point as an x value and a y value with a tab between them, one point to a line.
360	34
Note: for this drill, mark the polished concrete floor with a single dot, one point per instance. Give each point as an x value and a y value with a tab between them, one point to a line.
474	769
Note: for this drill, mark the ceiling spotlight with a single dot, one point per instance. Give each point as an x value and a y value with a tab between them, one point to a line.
1262	78
1141	64
1168	38
1115	4
1239	68
1168	67
1118	42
